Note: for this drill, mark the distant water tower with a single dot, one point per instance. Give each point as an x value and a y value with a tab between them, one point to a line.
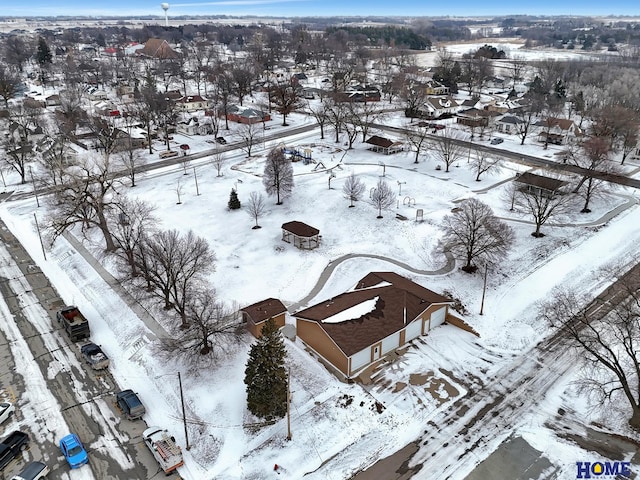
165	7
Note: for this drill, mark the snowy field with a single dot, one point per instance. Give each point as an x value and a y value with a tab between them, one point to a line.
337	428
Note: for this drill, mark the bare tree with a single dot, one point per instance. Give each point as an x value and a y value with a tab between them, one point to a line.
85	198
543	204
212	331
18	142
132	220
249	134
447	148
285	96
130	159
365	114
481	163
604	333
594	161
218	161
382	196
8	85
413	95
337	114
320	113
418	138
527	116
517	66
353	189
474	233
278	175
173	265
256	207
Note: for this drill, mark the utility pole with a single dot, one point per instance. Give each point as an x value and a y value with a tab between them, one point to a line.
184	417
44	254
484	289
195	175
288	404
33	182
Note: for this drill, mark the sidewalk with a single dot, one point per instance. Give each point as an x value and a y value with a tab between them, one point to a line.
143	314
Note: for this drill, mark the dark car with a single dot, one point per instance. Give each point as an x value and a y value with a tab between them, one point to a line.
496	141
221	140
130	404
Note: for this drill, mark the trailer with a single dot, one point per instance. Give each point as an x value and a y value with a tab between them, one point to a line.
74	323
164	448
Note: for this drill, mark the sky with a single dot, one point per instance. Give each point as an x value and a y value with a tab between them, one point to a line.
292	8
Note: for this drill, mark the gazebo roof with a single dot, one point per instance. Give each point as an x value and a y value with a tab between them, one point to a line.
300	229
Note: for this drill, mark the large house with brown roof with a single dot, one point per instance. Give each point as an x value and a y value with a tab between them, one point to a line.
258	314
358	328
158	48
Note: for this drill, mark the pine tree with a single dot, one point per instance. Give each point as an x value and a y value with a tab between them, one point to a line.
43	54
265	375
234	203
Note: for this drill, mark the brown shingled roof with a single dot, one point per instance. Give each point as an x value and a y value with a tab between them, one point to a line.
300	229
544	183
394	294
265	309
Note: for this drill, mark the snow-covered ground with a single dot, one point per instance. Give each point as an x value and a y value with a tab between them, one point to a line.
338	425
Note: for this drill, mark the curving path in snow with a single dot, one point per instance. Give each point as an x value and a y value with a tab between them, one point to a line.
333	264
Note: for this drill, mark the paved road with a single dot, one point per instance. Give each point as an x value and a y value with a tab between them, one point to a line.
84	397
528	159
487	415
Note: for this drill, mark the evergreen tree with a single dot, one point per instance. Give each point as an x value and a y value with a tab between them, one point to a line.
234	202
43	54
265	375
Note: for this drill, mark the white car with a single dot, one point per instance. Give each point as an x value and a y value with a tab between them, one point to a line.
6	410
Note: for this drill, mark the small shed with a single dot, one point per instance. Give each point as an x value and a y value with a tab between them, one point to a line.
384	145
256	315
303	236
533	183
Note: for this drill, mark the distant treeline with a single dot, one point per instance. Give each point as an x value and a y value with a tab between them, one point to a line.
396	36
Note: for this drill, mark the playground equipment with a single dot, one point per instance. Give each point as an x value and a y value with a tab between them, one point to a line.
296	154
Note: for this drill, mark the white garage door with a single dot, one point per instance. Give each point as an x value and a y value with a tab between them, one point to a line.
437	317
390	343
360	359
413	330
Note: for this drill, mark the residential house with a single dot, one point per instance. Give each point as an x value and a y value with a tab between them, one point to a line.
474	117
384	145
192	103
356	329
508	124
256	315
52	100
158	48
437	106
558	131
246	115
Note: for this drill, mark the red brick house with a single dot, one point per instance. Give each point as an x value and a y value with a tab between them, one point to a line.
256	315
357	328
246	115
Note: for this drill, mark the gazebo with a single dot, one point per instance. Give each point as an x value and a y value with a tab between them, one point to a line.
304	236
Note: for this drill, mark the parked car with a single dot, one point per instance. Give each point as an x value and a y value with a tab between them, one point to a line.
6	411
130	405
496	141
94	356
11	446
168	154
221	140
436	126
33	471
74	451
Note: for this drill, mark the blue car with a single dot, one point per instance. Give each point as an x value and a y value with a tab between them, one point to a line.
73	451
